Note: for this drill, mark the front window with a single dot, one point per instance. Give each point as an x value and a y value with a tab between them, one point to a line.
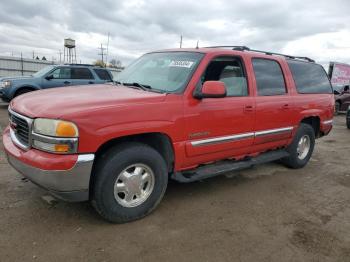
167	71
43	71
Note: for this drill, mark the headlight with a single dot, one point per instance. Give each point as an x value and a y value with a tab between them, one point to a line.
57	128
55	136
5	83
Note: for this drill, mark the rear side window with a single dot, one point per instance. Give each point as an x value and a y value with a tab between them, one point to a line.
103	74
81	73
269	77
310	78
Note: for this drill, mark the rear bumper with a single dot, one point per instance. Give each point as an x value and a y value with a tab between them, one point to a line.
69	184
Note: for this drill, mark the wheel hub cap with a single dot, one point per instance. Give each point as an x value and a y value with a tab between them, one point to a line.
303	147
134	185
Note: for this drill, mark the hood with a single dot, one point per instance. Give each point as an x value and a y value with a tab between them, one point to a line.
15	78
67	101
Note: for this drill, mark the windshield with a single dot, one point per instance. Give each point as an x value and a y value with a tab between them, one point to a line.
168	71
43	71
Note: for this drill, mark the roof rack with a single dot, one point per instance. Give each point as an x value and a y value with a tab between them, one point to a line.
245	48
83	65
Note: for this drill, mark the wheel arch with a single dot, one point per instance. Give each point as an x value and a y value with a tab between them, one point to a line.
314	122
161	142
28	87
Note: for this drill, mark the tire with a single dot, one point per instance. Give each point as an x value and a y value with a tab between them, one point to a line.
348	121
117	205
297	158
22	91
336	108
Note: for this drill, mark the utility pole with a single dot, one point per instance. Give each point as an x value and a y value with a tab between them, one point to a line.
60	53
180	41
33	55
107	50
197	44
102	53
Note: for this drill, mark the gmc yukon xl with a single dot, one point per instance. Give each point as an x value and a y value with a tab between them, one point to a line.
182	114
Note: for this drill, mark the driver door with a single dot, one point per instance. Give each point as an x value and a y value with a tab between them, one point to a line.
61	76
220	128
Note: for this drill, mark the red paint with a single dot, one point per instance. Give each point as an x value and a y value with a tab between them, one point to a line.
105	112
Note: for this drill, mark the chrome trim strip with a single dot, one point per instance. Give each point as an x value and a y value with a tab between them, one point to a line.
328	122
242	136
222	139
273	131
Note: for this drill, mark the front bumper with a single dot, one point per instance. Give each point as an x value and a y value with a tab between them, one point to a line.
69	184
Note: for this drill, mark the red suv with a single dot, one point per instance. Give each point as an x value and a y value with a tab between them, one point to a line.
184	114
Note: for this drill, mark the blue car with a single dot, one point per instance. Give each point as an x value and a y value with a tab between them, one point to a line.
53	76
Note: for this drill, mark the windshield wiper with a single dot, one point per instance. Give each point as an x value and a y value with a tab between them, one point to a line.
139	86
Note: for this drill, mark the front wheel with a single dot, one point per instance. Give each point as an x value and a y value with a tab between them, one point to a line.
301	148
130	181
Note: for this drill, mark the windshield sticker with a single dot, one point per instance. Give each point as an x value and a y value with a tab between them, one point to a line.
186	64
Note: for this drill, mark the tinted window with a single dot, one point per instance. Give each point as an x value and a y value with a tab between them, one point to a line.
81	73
309	78
230	71
103	74
62	73
269	77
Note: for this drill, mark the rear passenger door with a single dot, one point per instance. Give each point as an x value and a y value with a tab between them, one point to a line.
82	76
273	103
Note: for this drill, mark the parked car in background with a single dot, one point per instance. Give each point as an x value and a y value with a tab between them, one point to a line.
182	114
53	76
342	99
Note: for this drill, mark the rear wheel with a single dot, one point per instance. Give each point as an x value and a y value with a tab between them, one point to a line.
301	148
130	181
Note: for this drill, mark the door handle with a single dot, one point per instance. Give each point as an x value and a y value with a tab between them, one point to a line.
66	82
91	82
248	108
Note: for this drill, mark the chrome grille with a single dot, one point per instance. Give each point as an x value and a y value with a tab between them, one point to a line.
20	125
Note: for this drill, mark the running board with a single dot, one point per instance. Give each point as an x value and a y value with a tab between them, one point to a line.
223	167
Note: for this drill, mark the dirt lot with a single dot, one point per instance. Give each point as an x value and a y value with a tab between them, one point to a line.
268	213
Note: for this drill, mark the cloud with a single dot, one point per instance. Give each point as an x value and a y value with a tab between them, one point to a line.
316	29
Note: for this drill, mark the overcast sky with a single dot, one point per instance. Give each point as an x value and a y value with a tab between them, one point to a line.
318	29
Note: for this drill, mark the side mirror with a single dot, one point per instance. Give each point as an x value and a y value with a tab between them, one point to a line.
49	77
211	89
336	92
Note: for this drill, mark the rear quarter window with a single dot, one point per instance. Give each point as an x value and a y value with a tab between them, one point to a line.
103	74
310	78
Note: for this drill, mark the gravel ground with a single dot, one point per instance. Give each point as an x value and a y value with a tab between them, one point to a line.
267	213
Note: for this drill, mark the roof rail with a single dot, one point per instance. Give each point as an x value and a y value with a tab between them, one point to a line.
83	65
245	48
